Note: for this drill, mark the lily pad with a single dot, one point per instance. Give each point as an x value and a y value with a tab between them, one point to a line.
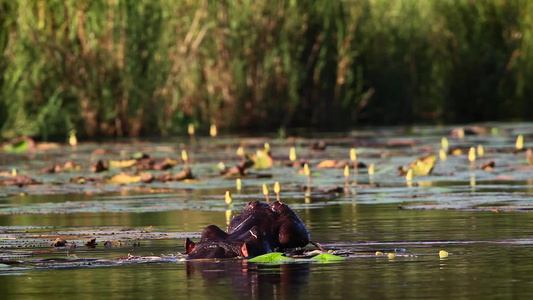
271	257
327	257
17	147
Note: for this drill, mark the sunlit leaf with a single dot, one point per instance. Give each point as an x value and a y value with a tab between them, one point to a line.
327	257
21	146
456	151
409	176
271	257
138	155
123	178
330	163
262	160
443	254
122	163
423	165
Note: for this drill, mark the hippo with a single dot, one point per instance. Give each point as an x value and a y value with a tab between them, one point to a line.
261	228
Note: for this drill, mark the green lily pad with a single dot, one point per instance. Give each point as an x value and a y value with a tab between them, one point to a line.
326	257
21	146
271	257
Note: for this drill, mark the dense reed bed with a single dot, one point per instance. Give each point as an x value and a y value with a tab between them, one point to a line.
150	67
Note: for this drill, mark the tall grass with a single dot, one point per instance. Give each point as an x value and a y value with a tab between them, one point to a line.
129	68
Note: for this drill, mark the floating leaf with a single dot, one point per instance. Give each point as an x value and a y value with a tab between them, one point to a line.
391	255
330	163
123	178
423	165
126	163
456	151
271	257
261	160
379	253
138	155
409	175
21	146
443	254
326	257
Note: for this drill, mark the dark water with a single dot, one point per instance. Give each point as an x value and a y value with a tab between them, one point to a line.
486	227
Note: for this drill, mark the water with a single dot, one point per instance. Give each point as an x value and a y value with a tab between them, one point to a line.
486	227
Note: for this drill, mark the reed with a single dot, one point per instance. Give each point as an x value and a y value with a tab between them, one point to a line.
130	68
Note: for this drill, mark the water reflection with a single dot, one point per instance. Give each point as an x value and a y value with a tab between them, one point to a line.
252	280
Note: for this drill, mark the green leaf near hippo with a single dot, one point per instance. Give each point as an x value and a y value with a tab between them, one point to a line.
271	257
327	257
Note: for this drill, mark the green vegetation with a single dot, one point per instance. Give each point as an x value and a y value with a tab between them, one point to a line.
129	68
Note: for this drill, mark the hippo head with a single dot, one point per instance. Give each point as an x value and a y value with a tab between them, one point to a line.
215	249
259	229
292	232
215	243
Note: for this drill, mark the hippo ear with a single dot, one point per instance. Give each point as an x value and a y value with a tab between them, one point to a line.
189	246
244	250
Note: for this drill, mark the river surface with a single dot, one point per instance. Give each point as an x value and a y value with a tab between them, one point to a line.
481	217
